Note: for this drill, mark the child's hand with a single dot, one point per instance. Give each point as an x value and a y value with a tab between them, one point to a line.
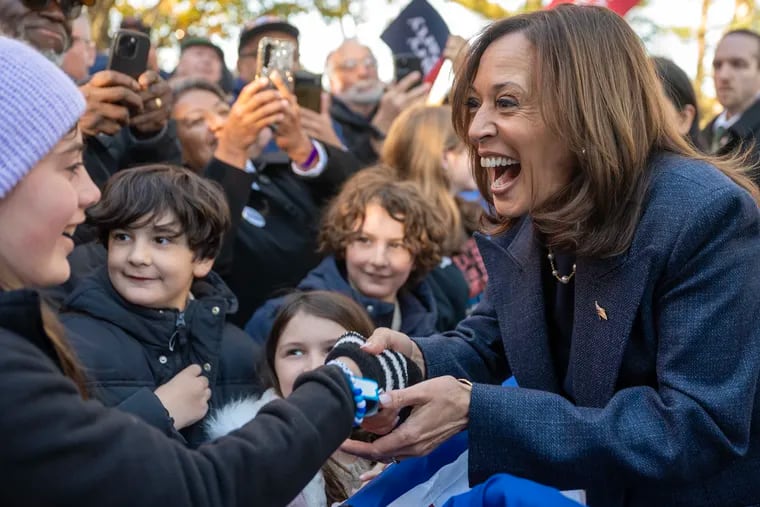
185	396
370	474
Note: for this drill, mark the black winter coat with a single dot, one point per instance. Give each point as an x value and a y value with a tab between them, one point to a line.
357	131
61	450
128	351
744	135
275	222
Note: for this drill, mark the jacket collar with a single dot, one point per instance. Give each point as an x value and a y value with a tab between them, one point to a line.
96	297
418	308
597	346
344	114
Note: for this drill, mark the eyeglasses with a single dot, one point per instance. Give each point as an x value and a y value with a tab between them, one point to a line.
352	63
71	8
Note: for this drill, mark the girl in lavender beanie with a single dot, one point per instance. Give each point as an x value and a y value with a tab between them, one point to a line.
39	104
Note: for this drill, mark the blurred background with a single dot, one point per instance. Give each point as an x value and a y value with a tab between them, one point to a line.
685	31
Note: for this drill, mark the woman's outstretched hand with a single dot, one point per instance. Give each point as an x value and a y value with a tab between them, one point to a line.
440	409
384	338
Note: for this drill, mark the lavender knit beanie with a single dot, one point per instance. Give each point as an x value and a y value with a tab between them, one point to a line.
39	104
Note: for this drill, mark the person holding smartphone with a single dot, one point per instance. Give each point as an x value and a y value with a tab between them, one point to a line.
276	195
317	122
361	104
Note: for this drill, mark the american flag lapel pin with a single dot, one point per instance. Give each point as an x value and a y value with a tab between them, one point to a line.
601	312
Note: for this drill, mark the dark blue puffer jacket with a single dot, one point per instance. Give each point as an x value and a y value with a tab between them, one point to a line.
418	307
127	351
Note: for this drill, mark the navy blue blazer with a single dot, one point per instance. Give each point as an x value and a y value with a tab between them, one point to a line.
666	408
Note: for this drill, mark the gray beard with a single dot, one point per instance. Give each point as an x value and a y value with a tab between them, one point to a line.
361	95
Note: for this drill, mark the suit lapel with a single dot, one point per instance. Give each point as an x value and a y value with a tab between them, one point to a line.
519	302
616	285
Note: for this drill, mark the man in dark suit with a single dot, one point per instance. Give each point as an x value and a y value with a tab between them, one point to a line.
736	71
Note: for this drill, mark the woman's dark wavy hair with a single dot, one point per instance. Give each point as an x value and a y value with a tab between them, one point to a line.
679	91
135	197
597	91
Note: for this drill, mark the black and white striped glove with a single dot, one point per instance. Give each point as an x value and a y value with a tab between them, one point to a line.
391	369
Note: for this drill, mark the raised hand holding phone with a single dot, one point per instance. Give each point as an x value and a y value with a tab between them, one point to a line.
129	53
398	97
156	98
276	55
125	93
405	64
110	96
258	106
319	125
290	135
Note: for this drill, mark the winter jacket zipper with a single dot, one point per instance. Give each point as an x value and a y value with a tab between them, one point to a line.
179	325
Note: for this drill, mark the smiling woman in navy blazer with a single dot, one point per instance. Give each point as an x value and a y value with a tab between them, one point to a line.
624	282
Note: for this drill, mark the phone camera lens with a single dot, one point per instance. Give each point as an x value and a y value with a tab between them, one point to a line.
128	47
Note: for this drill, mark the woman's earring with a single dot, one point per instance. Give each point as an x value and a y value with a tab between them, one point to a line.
583	151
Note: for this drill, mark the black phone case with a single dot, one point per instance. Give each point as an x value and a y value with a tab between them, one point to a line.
308	90
405	64
134	63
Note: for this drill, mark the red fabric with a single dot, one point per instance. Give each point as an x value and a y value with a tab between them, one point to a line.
430	78
619	6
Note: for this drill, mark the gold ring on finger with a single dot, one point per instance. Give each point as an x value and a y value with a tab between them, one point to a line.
159	102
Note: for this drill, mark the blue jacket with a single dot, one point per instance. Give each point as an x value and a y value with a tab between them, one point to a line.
127	351
418	307
666	408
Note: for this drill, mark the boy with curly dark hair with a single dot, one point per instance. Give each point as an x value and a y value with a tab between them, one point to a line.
150	327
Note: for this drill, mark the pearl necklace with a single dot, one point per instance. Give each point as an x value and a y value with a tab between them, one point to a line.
565	279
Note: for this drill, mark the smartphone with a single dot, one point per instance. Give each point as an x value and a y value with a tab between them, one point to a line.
308	90
405	64
129	53
276	54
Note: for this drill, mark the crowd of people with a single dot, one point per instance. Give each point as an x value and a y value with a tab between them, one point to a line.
211	295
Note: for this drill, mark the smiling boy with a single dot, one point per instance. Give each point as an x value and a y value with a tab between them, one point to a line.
150	327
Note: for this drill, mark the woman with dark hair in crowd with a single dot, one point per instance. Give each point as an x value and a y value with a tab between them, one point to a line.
62	449
623	283
682	100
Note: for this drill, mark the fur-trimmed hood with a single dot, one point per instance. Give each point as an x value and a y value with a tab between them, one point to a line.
236	414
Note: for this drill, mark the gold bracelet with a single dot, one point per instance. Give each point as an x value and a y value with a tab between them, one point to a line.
465	382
